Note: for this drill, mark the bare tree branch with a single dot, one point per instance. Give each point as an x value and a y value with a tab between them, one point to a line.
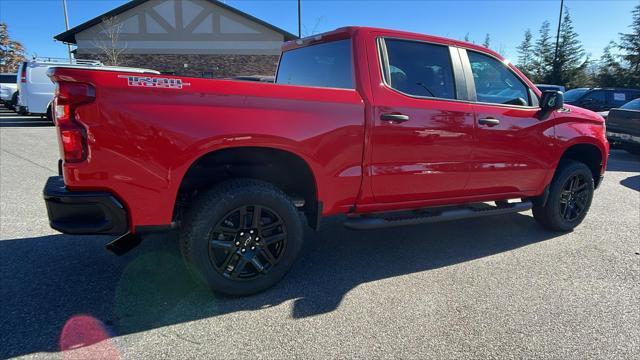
108	40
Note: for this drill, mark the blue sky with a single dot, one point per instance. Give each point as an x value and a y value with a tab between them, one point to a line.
35	22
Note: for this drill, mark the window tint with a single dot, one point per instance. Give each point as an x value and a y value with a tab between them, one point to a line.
419	69
597	97
632	94
574	94
324	65
495	83
8	79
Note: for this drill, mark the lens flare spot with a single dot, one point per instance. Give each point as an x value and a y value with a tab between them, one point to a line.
82	331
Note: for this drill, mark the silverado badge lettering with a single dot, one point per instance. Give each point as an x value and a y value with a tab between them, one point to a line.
146	81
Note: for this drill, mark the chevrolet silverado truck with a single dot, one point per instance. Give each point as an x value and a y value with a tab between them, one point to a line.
387	128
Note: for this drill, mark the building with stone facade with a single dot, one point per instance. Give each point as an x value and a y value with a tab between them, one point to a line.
201	38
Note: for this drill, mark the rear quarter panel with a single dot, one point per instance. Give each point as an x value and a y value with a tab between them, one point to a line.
143	140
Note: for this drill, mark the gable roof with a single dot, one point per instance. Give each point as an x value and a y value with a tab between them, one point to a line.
69	36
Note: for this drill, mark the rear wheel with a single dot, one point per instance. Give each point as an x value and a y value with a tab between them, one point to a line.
14	101
241	237
49	113
570	195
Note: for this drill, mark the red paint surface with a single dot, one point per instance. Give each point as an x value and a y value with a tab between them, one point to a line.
143	140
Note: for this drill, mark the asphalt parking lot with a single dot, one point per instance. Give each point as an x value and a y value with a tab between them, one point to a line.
488	288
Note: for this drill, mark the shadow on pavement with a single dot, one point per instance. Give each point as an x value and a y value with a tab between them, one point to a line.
632	182
620	160
15	120
51	281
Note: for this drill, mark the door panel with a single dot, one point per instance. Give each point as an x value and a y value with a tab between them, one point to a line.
426	154
512	156
512	145
424	158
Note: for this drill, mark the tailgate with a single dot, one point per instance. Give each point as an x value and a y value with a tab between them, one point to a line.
626	121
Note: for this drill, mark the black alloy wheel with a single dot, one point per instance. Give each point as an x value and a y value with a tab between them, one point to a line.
241	236
248	242
574	197
570	195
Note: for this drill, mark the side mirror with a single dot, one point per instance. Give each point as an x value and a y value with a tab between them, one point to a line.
552	100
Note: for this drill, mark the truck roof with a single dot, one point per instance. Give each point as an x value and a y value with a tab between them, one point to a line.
108	68
349	31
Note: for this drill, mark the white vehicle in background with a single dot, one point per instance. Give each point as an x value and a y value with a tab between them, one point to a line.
35	89
8	88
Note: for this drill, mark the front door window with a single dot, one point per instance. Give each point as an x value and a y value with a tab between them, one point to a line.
495	83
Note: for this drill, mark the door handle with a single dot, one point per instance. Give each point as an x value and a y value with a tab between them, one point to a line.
394	118
489	122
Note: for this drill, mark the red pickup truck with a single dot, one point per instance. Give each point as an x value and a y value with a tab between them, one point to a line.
386	127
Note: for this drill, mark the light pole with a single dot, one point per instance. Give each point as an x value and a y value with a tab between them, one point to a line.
555	55
299	21
66	24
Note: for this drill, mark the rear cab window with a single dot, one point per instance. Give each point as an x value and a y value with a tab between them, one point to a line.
327	65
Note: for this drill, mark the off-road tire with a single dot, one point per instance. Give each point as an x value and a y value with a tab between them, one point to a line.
550	214
49	114
213	206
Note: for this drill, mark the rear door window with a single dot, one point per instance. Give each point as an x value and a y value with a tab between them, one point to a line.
324	65
595	98
419	69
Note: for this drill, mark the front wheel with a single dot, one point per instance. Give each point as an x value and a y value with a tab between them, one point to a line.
242	236
570	195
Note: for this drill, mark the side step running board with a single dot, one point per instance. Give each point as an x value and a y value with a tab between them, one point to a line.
432	215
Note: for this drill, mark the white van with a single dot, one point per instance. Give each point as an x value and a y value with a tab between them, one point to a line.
35	89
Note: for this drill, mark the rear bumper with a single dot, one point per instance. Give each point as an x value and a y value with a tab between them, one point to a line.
83	212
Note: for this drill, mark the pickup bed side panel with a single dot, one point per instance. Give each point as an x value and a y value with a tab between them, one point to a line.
142	140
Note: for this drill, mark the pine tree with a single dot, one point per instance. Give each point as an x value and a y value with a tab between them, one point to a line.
11	52
487	41
568	66
525	56
543	54
466	37
609	73
630	46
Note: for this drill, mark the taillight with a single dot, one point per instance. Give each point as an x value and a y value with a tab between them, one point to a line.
23	73
73	136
